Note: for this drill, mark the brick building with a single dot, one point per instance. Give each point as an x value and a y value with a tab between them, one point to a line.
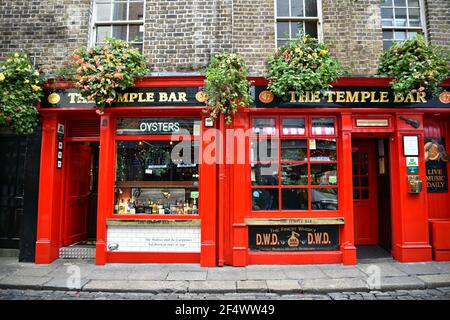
178	39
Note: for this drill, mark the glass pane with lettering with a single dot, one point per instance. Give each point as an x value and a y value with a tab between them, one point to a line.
324	150
264	174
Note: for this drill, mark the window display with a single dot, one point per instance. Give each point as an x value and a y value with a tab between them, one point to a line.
157	176
303	174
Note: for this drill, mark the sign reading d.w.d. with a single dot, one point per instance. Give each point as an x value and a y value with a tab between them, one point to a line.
293	238
436	162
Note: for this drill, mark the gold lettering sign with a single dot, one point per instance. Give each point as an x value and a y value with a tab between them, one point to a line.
372	122
132	97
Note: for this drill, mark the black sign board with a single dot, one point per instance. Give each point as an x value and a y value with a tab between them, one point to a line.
436	163
158	126
293	238
59	146
136	97
350	97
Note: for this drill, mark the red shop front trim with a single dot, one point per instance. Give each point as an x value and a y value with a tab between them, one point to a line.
227	216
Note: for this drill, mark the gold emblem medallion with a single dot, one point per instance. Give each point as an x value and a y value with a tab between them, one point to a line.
201	96
53	98
266	96
444	97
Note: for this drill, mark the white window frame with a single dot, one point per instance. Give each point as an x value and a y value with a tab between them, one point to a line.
421	29
111	23
299	19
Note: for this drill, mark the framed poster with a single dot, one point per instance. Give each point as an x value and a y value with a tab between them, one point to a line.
411	146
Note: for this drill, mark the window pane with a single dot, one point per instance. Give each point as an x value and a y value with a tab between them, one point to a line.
297	8
323	174
102	33
283	8
150	178
355	194
281	43
400	35
400	3
264	126
265	150
364	194
311	28
135	34
387	44
293	126
387	35
136	11
296	29
283	29
388	23
364	181
386	2
264	199
325	150
387	13
324	199
414	14
295	150
103	12
138	46
120	11
311	8
355	181
120	32
323	126
413	3
412	34
264	174
295	174
400	17
294	199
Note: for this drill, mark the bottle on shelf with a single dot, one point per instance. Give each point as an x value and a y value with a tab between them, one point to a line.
148	207
122	209
132	208
154	208
194	207
116	207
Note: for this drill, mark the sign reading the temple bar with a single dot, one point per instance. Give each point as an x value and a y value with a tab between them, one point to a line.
136	97
351	97
436	159
293	238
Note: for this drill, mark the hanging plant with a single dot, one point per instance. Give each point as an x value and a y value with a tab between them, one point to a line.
301	65
415	66
103	70
226	85
20	91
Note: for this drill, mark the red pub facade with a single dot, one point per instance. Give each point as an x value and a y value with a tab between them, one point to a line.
304	180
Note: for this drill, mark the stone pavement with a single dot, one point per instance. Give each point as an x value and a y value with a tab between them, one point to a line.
182	279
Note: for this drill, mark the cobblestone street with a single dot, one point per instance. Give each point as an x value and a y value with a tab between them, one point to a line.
430	294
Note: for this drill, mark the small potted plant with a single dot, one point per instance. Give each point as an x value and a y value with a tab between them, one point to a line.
105	69
20	92
415	66
302	64
226	85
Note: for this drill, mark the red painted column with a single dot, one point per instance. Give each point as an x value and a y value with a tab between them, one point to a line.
410	211
106	175
239	191
346	190
208	195
51	191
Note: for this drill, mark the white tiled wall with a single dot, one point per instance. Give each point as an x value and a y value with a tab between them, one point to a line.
154	239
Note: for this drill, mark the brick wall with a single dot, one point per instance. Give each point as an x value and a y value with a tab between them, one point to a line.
182	35
438	22
49	30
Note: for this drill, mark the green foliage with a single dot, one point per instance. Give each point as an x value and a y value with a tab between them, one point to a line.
226	85
415	66
303	64
103	70
20	91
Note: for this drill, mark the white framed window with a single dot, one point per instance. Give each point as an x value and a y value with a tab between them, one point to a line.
120	19
295	16
401	19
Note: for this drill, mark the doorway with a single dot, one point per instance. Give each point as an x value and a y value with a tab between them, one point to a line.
80	207
372	197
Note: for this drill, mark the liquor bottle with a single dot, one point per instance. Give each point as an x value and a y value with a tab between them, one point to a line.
194	207
179	207
148	207
122	209
132	207
116	207
154	208
186	206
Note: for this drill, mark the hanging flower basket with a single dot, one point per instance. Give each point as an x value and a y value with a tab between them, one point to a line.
226	85
103	70
415	66
301	65
20	91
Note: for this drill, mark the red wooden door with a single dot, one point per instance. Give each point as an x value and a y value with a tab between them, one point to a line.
365	192
77	193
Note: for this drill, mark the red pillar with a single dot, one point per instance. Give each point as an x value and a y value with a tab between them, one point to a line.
208	196
105	204
410	211
346	190
51	192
